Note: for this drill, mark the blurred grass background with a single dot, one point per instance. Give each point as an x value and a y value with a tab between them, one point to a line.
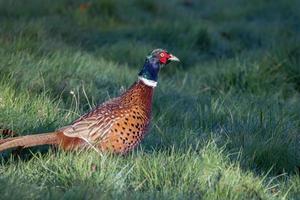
226	119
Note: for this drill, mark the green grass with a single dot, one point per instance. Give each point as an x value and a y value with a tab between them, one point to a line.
226	120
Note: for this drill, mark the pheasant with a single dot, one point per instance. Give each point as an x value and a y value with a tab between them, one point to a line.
116	126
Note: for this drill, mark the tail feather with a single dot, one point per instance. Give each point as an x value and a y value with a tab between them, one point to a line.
29	141
6	140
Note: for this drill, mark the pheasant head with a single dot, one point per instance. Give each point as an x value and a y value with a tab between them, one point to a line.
156	60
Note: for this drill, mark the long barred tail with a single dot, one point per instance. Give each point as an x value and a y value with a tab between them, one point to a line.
6	140
29	141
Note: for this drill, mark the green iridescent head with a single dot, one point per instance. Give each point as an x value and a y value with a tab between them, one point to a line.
157	59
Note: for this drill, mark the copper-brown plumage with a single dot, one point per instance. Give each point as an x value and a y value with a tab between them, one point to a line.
115	126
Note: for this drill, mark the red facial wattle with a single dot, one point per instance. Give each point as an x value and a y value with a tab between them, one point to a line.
163	57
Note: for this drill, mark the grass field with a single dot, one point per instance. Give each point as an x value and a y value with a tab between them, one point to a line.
226	120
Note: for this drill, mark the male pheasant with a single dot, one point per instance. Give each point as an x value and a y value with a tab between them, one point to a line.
115	126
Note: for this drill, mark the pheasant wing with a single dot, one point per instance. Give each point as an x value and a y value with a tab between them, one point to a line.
95	125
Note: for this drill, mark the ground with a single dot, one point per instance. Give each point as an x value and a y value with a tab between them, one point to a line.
226	120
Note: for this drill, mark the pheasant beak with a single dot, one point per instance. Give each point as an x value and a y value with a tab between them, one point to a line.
173	58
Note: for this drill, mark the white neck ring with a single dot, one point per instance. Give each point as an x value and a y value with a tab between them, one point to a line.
148	82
